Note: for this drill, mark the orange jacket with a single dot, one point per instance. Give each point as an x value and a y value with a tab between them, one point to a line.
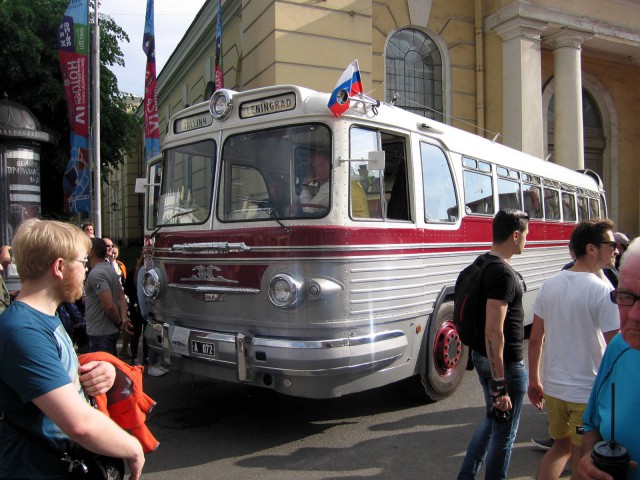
126	403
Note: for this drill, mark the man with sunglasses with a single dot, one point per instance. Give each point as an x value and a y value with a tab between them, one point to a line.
620	366
574	319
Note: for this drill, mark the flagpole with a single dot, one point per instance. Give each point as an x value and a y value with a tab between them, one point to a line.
95	113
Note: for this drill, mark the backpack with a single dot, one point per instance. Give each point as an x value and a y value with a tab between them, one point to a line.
469	306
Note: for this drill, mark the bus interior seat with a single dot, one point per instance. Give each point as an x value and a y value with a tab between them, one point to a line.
359	203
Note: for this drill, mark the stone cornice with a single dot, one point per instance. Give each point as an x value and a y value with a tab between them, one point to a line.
594	26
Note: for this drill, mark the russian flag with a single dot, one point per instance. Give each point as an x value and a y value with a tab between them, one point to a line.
350	82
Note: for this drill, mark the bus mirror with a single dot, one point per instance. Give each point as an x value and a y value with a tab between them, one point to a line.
376	160
141	184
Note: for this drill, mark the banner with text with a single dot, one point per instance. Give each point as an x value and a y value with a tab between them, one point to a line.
151	126
73	53
219	76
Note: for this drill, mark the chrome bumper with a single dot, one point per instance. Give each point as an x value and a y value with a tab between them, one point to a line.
250	354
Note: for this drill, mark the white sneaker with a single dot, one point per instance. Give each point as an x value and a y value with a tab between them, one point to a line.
157	371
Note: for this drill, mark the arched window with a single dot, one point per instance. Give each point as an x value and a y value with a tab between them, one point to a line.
414	72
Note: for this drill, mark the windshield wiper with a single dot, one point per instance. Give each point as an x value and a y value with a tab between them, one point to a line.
172	217
262	205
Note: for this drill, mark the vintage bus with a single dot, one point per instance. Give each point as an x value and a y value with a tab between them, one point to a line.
247	283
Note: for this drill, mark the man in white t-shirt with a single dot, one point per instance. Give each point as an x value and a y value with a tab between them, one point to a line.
574	319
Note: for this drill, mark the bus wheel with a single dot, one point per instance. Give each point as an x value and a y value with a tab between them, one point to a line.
443	357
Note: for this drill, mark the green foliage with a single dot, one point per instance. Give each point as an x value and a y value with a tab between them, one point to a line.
31	76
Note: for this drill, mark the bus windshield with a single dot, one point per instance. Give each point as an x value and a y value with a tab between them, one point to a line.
187	182
275	173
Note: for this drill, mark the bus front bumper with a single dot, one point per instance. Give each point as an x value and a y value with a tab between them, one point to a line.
251	355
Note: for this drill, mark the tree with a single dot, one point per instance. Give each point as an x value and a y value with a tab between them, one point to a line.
31	76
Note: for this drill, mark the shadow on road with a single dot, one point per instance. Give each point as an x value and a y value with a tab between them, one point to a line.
255	433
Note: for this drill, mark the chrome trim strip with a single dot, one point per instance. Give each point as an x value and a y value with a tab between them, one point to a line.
207	247
461	248
212	289
325	344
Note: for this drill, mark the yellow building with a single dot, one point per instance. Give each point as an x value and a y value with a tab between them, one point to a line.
554	78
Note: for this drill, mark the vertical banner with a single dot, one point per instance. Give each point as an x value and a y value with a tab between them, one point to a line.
73	53
219	77
151	126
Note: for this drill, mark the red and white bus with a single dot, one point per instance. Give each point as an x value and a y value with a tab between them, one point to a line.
246	284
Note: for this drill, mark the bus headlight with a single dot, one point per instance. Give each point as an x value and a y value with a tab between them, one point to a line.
151	283
221	104
286	291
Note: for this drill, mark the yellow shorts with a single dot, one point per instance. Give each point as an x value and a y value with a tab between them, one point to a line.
564	418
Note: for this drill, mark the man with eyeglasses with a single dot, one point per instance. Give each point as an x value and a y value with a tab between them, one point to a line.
574	319
620	366
105	303
44	392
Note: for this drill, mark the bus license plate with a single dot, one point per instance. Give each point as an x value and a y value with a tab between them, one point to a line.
202	348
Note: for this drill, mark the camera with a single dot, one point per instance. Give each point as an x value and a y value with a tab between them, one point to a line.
498	415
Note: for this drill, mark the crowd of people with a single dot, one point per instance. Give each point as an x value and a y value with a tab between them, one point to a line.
584	344
585	337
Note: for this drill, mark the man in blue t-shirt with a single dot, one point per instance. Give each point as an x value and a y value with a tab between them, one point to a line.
43	390
620	366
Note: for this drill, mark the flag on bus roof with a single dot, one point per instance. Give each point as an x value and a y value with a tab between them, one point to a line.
219	77
151	121
73	54
350	82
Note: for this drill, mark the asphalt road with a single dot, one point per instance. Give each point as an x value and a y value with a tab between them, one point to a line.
212	430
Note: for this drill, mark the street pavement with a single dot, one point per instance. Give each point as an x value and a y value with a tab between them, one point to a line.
213	430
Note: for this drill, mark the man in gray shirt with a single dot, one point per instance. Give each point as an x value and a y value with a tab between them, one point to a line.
105	304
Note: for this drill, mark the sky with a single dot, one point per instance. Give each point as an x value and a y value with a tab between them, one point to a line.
171	20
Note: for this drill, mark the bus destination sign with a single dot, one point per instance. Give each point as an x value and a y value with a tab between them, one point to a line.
192	122
267	106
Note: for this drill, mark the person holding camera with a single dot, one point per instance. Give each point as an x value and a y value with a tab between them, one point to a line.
620	366
500	366
573	320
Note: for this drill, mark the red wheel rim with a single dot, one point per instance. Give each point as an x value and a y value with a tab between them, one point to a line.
447	349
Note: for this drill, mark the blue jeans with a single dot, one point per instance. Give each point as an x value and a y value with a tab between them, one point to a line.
492	441
104	343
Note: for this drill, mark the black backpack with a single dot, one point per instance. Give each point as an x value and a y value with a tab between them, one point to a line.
469	307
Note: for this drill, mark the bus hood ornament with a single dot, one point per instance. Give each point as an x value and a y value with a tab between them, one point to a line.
206	274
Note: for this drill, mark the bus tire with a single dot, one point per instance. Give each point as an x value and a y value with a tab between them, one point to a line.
442	360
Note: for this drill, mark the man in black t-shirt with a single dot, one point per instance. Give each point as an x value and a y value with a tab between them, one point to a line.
500	366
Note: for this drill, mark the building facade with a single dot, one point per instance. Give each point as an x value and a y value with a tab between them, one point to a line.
554	78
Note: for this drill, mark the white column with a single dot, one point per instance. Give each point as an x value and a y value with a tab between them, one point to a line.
569	133
521	84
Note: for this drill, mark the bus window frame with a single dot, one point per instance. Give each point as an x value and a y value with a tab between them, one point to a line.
481	170
454	215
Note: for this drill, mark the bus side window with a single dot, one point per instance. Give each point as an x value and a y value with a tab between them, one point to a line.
551	204
478	193
568	207
583	208
594	208
440	202
532	203
509	194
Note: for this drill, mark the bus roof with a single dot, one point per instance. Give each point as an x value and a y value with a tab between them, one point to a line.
310	103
